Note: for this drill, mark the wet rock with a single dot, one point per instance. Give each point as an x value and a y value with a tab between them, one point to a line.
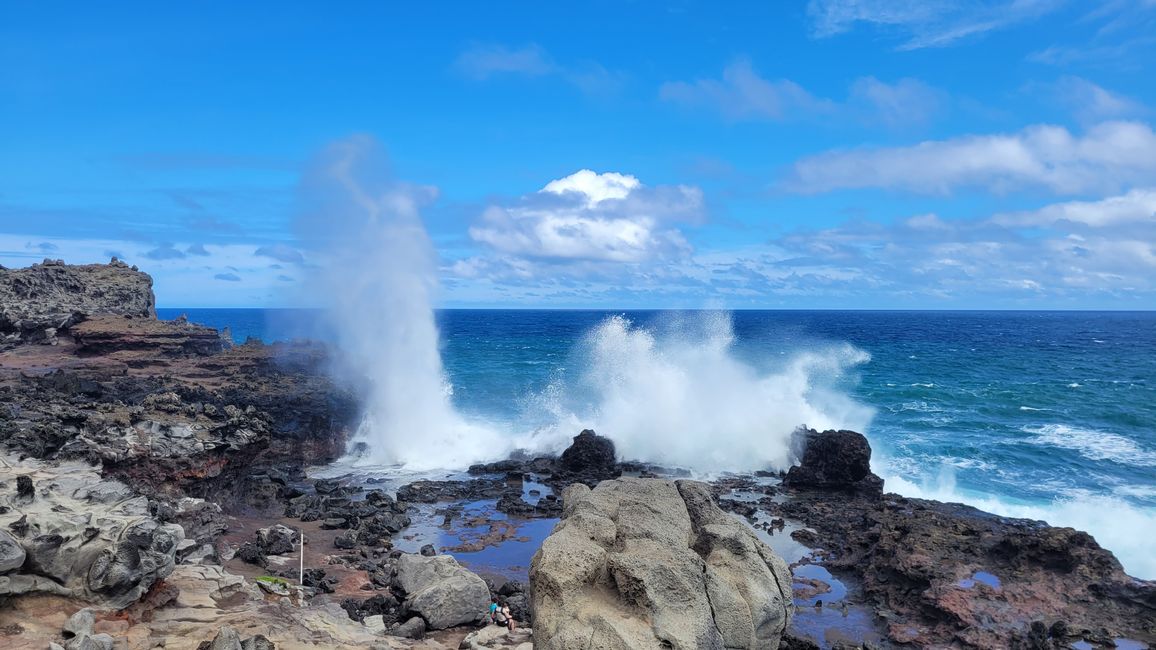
435	491
648	563
589	459
428	550
441	591
834	460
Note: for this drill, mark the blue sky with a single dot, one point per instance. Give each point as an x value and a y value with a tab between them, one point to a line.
830	154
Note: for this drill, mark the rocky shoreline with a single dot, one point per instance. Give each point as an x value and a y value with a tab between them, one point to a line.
154	474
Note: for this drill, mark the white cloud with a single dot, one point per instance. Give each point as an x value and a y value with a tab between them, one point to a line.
1091	102
480	62
1137	206
588	216
1106	157
742	94
925	23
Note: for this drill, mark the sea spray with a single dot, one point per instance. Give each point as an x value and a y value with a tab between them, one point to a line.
681	396
376	279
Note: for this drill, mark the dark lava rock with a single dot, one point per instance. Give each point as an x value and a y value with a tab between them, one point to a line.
385	605
834	460
434	491
317	579
589	459
428	550
24	488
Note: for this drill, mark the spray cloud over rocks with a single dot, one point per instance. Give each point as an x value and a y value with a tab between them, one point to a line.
377	281
679	394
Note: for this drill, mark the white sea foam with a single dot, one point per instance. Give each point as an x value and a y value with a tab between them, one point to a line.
1121	527
376	279
678	395
1093	445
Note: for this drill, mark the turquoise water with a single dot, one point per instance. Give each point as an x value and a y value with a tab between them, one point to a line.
1047	415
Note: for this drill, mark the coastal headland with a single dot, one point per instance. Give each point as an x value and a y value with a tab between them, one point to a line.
163	486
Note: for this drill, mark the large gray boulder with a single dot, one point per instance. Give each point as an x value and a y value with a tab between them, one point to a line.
441	591
37	301
650	563
81	536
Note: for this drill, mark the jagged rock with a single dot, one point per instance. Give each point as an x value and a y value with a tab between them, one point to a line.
38	301
441	591
258	642
649	563
79	623
834	460
277	540
78	542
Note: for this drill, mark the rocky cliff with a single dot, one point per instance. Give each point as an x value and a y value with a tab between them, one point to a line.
41	300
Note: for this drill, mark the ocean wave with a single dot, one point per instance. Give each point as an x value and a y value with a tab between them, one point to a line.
1119	526
1032	408
1093	445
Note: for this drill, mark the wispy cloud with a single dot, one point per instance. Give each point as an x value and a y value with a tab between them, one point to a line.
925	23
281	253
227	277
482	61
165	251
743	94
1106	157
1090	102
1124	37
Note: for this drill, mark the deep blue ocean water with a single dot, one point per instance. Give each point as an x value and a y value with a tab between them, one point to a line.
1047	415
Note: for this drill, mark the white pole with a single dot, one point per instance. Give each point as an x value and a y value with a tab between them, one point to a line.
301	568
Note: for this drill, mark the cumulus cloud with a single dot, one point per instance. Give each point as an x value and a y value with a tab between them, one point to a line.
281	253
228	277
482	61
925	23
606	217
743	94
1106	157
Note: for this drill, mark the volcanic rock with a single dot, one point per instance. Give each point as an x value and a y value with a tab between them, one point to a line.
834	460
589	459
41	301
649	563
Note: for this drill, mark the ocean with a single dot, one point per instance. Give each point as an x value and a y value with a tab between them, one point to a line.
1044	415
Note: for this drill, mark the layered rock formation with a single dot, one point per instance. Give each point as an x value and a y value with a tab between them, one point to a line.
42	300
65	531
649	563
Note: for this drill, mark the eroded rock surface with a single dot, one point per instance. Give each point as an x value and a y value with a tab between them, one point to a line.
650	563
79	535
42	300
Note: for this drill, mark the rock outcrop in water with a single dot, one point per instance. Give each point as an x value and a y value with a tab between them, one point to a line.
70	533
834	460
42	300
650	563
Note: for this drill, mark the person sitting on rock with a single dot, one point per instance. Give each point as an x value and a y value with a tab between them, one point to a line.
508	617
495	610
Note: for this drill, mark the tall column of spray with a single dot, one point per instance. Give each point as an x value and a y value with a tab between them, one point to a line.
376	282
